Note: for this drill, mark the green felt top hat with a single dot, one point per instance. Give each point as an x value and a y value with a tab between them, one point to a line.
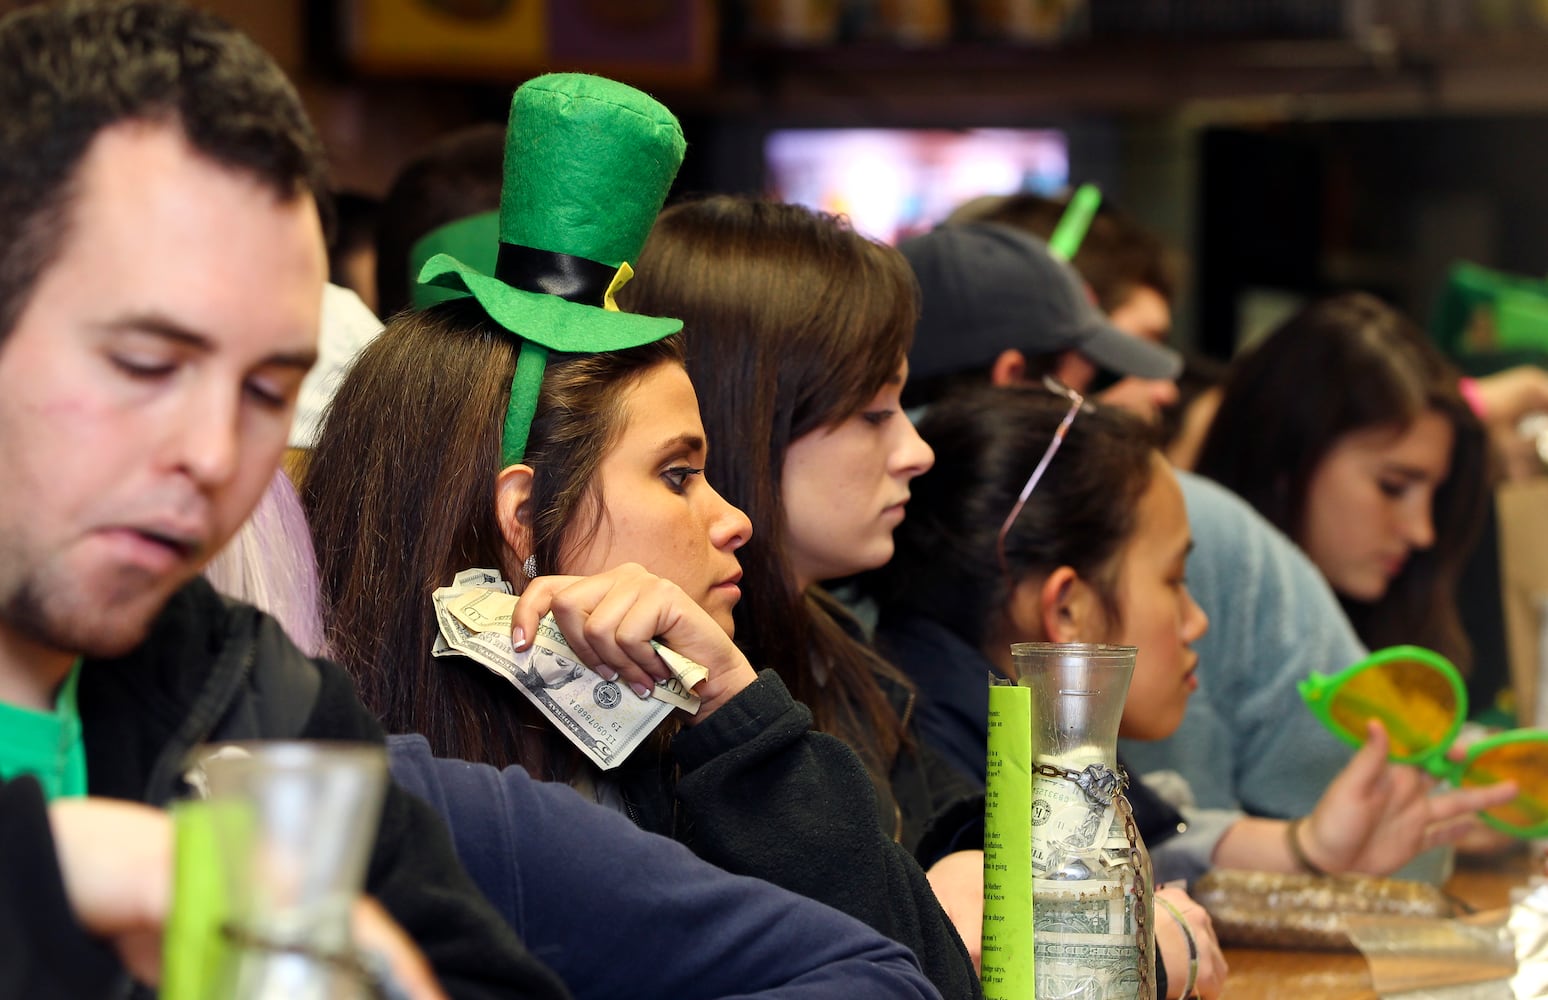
474	240
588	163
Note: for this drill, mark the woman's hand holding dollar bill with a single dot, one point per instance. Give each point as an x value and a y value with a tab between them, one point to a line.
610	619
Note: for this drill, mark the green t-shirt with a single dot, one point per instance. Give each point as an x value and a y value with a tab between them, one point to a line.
46	745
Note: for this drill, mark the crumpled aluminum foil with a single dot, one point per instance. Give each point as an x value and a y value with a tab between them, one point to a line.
1277	910
1528	924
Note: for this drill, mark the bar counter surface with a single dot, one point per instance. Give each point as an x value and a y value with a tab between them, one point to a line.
1283	974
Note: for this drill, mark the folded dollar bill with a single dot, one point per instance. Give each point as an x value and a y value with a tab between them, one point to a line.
491	611
602	718
485	578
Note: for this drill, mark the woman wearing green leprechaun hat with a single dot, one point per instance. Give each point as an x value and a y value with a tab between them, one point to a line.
534	428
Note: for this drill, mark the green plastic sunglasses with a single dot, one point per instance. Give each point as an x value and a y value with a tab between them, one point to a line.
1417	696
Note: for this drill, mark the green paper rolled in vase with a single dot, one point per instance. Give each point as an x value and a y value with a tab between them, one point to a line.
195	953
1007	962
267	871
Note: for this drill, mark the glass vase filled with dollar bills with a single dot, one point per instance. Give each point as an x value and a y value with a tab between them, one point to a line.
1093	909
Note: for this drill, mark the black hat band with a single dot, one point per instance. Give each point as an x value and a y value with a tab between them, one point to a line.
547	272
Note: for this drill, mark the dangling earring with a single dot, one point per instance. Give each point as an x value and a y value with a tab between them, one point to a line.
530	567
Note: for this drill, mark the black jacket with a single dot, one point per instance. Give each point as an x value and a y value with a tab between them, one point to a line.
756	791
938	809
214	670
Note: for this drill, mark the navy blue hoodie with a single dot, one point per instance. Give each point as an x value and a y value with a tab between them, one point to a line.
590	894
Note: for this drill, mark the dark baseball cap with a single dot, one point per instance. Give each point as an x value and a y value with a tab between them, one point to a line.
988	288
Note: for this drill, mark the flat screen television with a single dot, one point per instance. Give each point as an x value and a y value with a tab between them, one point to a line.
893	183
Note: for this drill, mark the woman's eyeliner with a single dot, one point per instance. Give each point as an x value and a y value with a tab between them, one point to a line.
678	475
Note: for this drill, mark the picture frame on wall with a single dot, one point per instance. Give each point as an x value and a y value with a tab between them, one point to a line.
661	42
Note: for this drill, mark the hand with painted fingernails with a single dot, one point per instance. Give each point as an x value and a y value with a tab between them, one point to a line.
610	619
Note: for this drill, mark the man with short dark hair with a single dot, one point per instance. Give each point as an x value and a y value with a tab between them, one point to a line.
161	273
158	176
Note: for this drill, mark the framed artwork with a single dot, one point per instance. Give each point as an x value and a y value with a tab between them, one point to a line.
643	41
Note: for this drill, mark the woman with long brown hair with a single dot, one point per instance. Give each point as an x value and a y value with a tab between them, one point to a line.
797	331
1347	430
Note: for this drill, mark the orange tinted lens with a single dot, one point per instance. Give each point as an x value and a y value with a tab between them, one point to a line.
1412	700
1525	763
